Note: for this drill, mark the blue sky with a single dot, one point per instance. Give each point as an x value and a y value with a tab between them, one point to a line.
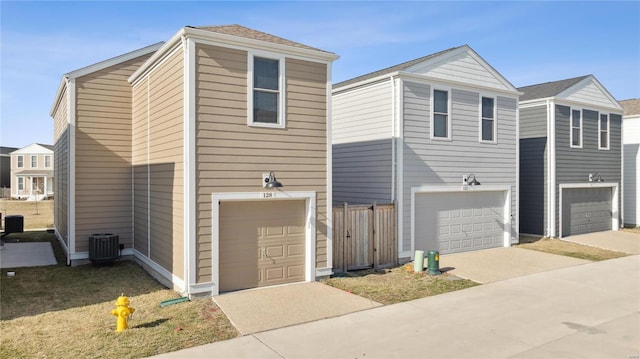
527	42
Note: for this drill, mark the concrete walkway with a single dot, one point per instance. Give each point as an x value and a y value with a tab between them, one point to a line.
620	241
585	311
26	254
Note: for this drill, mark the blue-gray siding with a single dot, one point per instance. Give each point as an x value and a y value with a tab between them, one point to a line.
533	170
573	165
362	172
432	163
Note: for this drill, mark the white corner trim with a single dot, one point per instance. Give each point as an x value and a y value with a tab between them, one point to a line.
400	200
329	174
615	201
310	230
71	181
551	162
189	199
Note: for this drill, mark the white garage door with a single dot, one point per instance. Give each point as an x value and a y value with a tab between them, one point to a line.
459	221
261	243
586	210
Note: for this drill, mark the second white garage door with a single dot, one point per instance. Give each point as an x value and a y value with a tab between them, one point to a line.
261	243
459	221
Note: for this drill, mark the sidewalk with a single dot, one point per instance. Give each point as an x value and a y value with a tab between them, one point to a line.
585	311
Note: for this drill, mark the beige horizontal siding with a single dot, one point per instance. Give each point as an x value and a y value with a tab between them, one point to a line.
231	156
103	153
61	167
158	159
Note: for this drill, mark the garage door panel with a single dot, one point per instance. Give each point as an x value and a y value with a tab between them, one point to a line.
274	231
586	210
459	221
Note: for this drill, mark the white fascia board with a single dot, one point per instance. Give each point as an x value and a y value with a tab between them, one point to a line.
595	81
457	84
33	148
61	90
372	80
160	53
114	61
587	106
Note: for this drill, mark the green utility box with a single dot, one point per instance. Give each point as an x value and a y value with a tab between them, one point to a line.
433	263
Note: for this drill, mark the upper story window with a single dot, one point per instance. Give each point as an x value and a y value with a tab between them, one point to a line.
576	129
488	120
603	132
34	161
267	92
47	161
441	119
20	161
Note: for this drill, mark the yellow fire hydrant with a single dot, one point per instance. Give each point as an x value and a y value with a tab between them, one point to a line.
123	311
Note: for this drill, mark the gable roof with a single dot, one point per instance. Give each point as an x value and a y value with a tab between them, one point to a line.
391	69
631	106
7	150
548	89
34	148
242	31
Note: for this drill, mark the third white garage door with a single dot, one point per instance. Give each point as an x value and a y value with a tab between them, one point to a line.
459	221
261	243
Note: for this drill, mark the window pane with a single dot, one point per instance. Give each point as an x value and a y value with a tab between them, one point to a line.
603	140
487	130
265	73
487	108
265	107
604	123
440	101
576	137
575	121
439	126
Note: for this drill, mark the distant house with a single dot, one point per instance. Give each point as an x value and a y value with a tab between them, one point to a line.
631	145
570	158
5	167
423	133
177	157
32	172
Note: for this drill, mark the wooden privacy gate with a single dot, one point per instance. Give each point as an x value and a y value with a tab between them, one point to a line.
364	236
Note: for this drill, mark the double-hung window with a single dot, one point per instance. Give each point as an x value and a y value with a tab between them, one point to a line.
47	161
576	129
441	119
267	92
603	132
488	120
20	161
34	161
20	183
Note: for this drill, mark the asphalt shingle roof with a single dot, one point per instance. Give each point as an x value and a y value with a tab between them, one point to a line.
631	106
391	69
548	89
241	31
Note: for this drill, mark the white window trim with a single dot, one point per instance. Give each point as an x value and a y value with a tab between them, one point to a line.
495	119
432	112
20	157
282	118
20	183
47	157
31	161
571	109
600	147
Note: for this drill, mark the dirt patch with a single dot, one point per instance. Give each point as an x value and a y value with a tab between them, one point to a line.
400	284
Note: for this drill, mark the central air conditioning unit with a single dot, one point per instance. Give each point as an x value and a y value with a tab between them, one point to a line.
104	247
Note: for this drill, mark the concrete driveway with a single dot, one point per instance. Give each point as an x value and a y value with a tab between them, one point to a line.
496	264
261	309
621	241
